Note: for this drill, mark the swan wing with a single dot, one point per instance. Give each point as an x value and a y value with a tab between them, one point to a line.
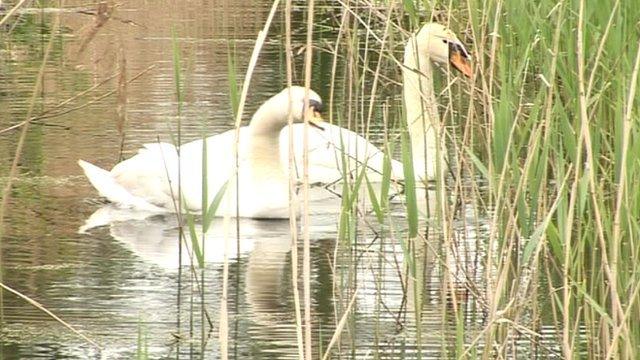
109	188
219	166
326	148
152	179
150	174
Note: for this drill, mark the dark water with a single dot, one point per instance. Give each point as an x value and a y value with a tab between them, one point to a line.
120	284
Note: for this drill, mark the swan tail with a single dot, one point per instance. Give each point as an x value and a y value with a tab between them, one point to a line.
108	187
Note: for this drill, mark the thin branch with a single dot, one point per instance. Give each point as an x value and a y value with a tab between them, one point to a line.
47	115
56	318
12	11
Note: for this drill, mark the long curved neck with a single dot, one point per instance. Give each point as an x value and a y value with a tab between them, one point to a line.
263	148
421	109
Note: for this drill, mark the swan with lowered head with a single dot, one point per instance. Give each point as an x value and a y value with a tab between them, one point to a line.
433	43
152	179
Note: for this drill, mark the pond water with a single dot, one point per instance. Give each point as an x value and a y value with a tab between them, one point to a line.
120	283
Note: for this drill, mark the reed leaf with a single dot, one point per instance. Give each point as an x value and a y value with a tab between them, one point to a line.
213	207
409	186
195	243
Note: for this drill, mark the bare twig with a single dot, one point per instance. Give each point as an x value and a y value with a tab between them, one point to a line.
343	321
306	262
48	115
260	40
293	225
122	98
12	11
103	13
16	158
114	18
40	307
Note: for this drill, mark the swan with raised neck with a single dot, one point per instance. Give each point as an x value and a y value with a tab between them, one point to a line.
433	43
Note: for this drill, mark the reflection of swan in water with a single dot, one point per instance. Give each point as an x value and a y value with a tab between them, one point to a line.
323	202
265	271
264	244
267	283
154	238
381	265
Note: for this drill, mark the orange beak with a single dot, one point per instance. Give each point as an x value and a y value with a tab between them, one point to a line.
460	62
315	119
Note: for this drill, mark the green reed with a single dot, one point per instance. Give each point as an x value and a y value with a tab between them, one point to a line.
556	103
357	68
544	150
195	241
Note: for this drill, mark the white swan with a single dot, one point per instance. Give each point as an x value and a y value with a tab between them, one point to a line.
432	43
151	179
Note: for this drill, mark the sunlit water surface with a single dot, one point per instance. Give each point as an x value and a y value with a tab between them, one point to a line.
120	283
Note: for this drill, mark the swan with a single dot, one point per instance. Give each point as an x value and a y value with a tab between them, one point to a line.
432	43
150	180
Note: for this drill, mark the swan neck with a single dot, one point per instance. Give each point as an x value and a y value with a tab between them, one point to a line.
421	109
264	141
267	121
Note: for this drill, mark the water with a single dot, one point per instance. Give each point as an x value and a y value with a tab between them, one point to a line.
120	283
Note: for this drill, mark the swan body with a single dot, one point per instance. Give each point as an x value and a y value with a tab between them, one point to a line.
160	174
326	154
433	43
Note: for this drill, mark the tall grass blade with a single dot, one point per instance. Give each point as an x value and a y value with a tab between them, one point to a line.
195	243
232	78
409	186
213	206
175	46
377	208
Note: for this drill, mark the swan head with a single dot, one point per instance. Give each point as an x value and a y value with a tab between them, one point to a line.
295	97
442	46
273	115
